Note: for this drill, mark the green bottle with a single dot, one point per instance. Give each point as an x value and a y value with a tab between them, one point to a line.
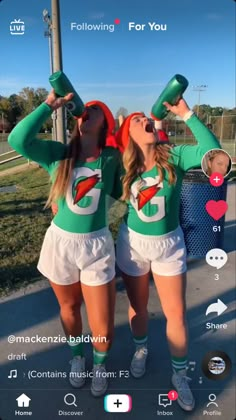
171	94
62	86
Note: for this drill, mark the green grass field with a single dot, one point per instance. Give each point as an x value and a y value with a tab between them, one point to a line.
12	164
23	224
4	136
4	148
23	221
228	146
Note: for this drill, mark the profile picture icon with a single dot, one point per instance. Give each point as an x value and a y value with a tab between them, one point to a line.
216	160
216	365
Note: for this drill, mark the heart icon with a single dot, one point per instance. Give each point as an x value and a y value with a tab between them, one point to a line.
216	209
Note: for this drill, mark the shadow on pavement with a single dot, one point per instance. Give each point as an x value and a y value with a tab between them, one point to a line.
41	307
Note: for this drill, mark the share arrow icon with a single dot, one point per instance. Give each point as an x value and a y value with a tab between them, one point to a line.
218	307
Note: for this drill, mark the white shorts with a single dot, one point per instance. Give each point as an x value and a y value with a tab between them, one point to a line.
67	258
137	254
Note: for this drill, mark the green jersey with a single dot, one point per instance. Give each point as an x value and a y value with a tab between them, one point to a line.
84	207
153	208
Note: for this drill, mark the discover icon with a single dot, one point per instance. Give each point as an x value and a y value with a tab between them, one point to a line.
70	399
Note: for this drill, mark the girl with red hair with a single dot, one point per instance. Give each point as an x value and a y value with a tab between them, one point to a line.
77	255
151	240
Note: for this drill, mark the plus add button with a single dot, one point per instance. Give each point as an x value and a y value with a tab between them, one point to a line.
216	179
117	403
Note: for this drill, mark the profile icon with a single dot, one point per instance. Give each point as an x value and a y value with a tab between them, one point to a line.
216	160
212	399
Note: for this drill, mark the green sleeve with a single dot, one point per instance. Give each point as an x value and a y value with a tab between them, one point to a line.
117	188
23	139
189	156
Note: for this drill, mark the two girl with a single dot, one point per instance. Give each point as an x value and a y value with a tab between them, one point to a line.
78	255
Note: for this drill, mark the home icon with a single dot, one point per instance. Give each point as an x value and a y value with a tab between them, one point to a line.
23	400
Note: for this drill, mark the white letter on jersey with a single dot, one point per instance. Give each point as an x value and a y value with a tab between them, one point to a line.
159	202
94	193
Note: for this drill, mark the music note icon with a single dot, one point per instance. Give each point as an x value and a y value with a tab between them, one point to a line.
192	366
13	374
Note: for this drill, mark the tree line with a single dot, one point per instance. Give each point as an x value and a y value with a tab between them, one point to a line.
17	106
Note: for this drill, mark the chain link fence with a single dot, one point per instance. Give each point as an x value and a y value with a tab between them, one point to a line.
224	130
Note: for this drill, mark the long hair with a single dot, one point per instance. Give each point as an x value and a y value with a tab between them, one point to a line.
134	165
61	178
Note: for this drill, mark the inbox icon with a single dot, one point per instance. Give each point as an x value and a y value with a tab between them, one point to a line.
117	403
163	399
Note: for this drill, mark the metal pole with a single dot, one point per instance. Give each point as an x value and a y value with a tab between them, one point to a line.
2	125
57	65
54	114
234	143
50	51
47	19
232	131
199	89
198	102
221	127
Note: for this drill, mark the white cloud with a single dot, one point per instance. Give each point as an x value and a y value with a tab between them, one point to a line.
10	85
126	85
213	16
6	83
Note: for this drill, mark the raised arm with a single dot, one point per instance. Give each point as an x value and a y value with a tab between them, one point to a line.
190	156
23	136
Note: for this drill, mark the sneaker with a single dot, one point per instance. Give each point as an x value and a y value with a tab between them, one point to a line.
77	372
99	381
185	396
138	364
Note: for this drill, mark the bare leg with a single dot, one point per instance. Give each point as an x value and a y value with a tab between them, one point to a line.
138	293
100	305
70	300
171	291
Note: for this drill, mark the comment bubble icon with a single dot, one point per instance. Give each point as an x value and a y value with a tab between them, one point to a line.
217	258
164	400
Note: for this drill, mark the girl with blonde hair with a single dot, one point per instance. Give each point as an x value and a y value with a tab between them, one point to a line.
217	160
77	255
151	240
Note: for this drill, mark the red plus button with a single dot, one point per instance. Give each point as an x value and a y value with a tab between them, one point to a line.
216	179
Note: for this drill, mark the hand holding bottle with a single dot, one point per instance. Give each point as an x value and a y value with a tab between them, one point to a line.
62	85
54	102
172	93
180	109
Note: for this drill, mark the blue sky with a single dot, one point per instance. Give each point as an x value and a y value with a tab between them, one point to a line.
126	68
